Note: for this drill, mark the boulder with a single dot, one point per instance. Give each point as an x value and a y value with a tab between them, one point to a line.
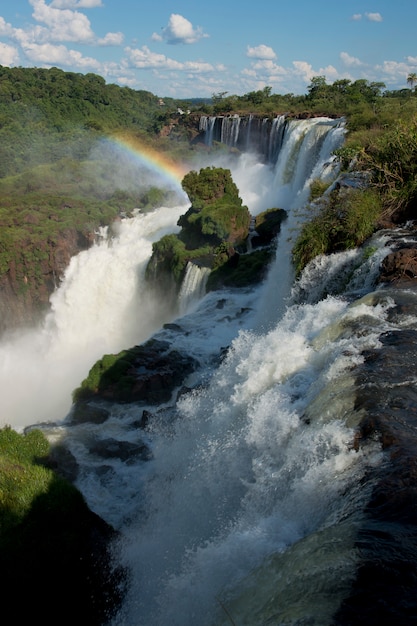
399	265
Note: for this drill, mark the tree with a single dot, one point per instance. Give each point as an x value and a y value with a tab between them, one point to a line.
412	79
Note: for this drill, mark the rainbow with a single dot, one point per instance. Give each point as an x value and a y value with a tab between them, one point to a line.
157	162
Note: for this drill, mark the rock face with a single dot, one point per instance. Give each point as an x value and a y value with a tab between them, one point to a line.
22	299
384	591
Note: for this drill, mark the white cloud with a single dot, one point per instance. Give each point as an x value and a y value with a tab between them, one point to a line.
393	72
9	55
304	69
260	52
374	17
76	4
179	30
350	61
6	30
50	54
145	59
111	39
63	25
307	72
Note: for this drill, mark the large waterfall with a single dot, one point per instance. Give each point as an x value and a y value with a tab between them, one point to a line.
249	508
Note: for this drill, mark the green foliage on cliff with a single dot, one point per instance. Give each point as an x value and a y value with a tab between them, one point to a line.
241	270
216	213
49	114
391	160
22	478
340	221
170	256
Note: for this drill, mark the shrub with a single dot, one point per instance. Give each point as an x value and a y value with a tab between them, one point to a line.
341	221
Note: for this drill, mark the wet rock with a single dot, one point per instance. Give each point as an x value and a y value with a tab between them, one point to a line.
83	412
384	591
147	373
63	462
399	265
126	451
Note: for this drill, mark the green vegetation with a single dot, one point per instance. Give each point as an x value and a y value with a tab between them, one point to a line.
22	477
216	220
342	220
111	370
46	532
243	271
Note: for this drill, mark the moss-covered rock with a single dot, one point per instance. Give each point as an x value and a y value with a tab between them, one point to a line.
51	544
216	218
268	225
146	373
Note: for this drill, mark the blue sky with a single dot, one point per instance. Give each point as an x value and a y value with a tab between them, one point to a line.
191	48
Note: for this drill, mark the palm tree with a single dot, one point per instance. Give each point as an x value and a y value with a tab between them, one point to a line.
412	79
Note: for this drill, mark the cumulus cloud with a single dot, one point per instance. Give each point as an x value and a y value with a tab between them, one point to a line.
307	72
350	61
143	58
111	39
9	55
62	24
356	17
374	17
50	54
261	52
179	30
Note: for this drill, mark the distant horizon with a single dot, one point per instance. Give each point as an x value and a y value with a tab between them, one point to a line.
195	51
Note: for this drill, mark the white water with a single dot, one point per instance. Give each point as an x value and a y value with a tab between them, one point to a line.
246	469
101	307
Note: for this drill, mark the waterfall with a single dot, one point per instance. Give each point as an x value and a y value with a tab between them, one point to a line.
193	286
207	125
230	130
305	155
250	506
101	307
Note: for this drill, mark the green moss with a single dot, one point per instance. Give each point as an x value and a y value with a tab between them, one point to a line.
109	370
268	223
216	217
23	476
240	270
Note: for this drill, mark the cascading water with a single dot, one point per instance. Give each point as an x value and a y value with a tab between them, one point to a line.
101	306
193	286
247	510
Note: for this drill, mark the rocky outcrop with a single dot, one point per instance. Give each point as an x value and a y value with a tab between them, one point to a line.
148	373
400	265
